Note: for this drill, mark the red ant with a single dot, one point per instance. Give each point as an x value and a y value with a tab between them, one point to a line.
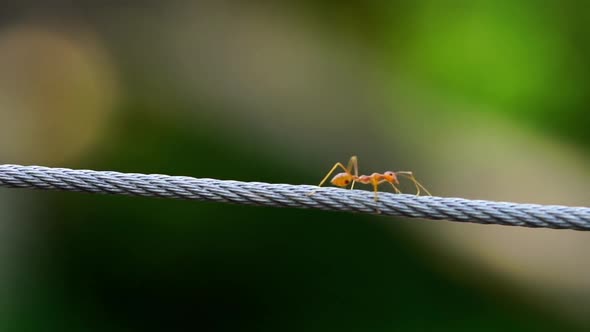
347	177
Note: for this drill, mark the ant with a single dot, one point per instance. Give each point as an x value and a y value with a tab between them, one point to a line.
348	178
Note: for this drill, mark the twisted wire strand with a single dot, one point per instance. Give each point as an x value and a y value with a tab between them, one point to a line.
295	196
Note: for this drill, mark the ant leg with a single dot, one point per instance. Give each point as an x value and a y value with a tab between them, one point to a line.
397	191
375	189
336	165
353	163
410	176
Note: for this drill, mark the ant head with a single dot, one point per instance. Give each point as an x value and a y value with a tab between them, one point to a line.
390	177
342	179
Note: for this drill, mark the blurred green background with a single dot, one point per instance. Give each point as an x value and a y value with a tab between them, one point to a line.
482	100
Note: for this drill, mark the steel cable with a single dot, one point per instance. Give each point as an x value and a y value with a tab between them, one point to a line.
296	196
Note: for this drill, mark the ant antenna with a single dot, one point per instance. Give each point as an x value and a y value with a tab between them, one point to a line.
417	184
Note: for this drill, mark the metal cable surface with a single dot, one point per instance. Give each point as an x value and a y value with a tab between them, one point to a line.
296	196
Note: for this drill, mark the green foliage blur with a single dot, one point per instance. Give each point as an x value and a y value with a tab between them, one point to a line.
96	263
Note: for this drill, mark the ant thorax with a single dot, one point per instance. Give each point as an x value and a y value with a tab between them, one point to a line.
365	179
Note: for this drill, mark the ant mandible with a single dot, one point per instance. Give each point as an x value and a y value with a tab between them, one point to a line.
346	178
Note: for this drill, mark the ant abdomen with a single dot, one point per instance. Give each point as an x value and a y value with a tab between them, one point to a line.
342	179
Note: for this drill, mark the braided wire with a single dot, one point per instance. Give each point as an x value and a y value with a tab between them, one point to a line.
296	196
